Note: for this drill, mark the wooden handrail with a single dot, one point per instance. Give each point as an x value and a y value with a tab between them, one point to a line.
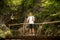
35	23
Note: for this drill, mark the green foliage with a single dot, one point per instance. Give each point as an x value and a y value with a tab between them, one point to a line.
43	10
13	2
2	35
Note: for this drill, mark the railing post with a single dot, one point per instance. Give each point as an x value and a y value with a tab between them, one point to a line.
23	30
39	28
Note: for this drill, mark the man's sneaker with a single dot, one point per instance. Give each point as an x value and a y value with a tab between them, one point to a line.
33	34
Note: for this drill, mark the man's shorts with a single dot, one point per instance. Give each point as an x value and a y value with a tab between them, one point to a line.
31	26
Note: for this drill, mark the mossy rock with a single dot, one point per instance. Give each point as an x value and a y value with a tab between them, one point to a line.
2	35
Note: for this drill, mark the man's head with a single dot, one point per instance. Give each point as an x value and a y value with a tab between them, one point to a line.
30	13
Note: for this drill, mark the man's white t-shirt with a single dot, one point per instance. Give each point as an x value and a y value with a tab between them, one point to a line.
31	19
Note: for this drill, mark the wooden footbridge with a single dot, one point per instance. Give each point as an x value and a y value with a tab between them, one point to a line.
23	29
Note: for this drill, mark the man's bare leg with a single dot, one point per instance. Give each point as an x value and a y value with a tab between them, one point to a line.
33	31
30	31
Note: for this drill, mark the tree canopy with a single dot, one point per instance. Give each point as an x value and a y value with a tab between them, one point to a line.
43	10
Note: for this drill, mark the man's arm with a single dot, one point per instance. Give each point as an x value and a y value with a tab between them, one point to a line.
33	18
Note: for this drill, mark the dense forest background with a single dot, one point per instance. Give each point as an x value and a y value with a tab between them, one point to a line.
16	11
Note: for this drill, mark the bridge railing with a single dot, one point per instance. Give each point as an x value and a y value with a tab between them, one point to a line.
39	24
35	23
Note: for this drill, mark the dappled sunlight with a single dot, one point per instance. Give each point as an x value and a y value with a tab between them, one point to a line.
13	2
14	14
